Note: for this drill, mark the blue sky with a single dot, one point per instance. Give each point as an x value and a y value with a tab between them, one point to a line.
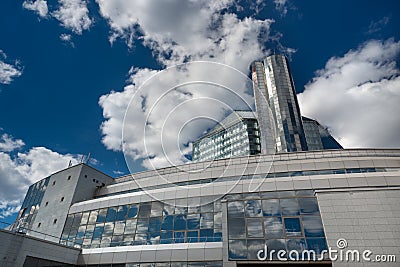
67	70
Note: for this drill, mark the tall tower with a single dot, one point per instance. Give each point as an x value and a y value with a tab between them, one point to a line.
273	81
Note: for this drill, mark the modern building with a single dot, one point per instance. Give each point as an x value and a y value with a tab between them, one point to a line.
237	135
317	136
215	213
273	85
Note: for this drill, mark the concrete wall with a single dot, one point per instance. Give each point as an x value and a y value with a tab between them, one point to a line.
366	219
74	184
14	247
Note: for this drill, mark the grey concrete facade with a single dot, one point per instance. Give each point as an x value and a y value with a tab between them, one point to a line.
14	247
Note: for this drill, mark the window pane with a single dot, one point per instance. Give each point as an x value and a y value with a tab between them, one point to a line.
179	222
275	244
168	223
156	209
308	205
166	237
235	209
121	213
253	246
130	226
93	217
273	227
218	220
290	206
206	235
271	207
155	224
316	244
142	226
119	228
313	226
206	220
85	217
253	208
236	228
102	215
192	236
292	227
108	228
237	249
254	228
168	210
98	231
133	211
144	210
298	244
111	214
193	221
179	237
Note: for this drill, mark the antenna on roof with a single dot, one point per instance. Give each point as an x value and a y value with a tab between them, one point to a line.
88	158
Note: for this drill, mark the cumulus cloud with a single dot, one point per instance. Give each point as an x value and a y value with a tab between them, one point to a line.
21	169
357	96
67	38
176	32
8	143
8	71
73	15
38	6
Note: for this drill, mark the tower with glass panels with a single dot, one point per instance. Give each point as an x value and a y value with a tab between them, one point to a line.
237	135
272	80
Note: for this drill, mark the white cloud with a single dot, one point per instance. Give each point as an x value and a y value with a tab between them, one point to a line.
357	96
8	71
38	6
176	31
8	144
18	171
281	6
67	38
376	26
73	15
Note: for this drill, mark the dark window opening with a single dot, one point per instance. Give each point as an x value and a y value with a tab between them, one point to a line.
55	221
69	177
62	199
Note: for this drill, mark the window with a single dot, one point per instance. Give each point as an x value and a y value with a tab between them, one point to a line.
69	177
54	182
62	199
39	224
55	221
47	203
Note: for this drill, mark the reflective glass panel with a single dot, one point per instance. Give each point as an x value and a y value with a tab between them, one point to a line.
193	236
121	213
193	221
253	246
290	206
144	210
111	213
235	209
142	226
179	237
253	208
276	245
237	249
236	228
102	215
157	209
308	206
168	223
273	227
271	207
155	224
292	227
133	211
93	217
313	226
166	237
180	222
206	220
130	227
119	228
254	227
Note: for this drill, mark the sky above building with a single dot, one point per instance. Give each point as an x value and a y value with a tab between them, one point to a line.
70	68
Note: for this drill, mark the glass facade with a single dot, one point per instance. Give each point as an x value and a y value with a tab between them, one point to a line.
145	224
31	205
276	84
313	137
239	137
287	220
